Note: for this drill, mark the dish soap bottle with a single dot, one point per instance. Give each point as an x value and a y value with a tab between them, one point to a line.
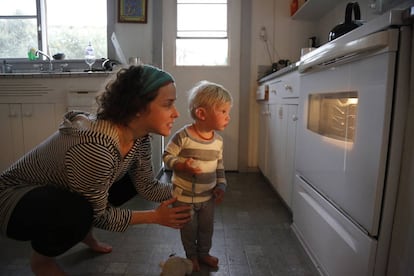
31	54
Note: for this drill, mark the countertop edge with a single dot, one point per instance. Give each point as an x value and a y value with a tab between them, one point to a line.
285	70
55	75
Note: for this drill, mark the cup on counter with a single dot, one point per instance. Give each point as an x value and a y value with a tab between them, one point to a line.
134	61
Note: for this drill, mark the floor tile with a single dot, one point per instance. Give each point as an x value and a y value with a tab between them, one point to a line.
252	237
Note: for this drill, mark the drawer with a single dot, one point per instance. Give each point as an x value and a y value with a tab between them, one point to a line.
337	246
290	85
275	91
284	87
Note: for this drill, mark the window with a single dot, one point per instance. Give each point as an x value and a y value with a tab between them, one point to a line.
53	26
202	38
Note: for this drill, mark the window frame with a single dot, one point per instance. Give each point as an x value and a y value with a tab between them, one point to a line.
41	32
226	38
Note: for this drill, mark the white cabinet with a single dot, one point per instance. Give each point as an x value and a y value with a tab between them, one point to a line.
314	9
282	134
277	133
31	109
263	139
23	126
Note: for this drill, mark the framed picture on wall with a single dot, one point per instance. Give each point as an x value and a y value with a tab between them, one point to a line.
132	11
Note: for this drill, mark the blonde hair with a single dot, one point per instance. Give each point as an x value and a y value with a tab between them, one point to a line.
208	95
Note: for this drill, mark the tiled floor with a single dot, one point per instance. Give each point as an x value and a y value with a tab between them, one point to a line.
252	237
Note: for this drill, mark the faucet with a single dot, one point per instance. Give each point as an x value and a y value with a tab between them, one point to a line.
38	52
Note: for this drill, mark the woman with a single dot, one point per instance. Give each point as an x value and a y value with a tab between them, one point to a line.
74	180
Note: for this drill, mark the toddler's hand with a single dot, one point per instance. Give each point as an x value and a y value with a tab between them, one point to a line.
193	165
218	195
189	165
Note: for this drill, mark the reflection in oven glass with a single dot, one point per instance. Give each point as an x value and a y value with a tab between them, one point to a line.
333	114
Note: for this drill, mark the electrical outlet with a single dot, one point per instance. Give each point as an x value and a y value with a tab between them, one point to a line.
263	34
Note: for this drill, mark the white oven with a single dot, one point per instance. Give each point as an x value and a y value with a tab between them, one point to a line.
353	95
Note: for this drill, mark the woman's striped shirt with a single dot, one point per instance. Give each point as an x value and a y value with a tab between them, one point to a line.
83	156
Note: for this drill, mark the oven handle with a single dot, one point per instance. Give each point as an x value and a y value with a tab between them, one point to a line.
333	53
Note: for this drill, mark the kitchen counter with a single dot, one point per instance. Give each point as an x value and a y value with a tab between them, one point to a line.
285	70
49	75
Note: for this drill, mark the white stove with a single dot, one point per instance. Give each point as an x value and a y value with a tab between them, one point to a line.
352	113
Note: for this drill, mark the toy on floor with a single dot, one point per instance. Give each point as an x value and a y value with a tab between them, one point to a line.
176	266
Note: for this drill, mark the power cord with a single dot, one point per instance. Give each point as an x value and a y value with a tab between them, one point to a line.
263	37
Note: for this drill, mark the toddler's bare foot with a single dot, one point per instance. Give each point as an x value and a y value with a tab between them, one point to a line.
96	245
196	265
210	261
45	266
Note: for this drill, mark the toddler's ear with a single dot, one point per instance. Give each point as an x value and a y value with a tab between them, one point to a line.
201	113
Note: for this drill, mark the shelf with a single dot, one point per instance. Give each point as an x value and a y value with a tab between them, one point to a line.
314	9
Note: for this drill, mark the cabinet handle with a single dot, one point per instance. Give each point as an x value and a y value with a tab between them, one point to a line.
288	87
294	117
27	110
13	114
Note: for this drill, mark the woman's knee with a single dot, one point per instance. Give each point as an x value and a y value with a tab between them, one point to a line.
53	219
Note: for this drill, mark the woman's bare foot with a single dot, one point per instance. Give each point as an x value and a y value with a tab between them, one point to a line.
210	261
96	245
45	266
196	265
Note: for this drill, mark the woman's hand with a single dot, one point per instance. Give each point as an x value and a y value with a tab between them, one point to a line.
174	217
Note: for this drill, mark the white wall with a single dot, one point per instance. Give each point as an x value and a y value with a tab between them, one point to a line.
228	76
285	39
136	39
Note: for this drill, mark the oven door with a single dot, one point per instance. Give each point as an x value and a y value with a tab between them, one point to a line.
343	128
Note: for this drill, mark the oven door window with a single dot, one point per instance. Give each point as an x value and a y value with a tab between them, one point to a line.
333	114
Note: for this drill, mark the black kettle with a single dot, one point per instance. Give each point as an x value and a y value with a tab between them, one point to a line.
349	24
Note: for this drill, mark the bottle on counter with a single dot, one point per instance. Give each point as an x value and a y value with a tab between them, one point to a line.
90	56
31	54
